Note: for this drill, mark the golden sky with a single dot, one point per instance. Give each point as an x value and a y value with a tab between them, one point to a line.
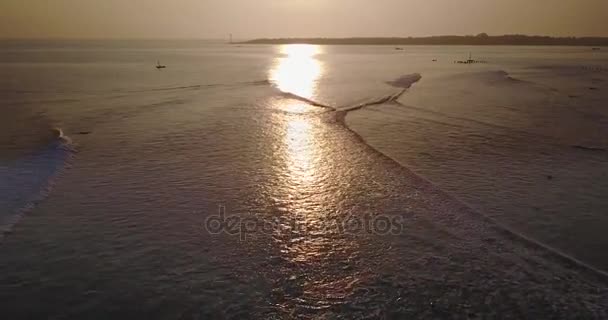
297	18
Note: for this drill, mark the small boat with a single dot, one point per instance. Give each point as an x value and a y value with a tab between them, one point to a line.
159	66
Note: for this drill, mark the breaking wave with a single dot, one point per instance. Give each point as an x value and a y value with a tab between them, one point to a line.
404	82
306	100
26	181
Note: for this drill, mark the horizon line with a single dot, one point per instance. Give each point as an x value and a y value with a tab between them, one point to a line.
241	39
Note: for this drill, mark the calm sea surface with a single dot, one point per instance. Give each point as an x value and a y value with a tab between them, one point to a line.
299	181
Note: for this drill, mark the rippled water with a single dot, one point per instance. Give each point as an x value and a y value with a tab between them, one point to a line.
117	218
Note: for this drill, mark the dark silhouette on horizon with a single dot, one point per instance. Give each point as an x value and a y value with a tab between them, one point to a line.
480	39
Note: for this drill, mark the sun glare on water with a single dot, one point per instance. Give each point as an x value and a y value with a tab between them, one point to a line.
298	70
304	170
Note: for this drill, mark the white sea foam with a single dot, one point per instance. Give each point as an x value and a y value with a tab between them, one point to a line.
28	180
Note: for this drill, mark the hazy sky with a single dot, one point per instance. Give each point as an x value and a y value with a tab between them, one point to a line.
297	18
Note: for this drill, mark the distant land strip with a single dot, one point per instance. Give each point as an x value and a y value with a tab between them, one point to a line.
478	40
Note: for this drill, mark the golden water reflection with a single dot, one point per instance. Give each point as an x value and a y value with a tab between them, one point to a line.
303	152
300	151
297	70
308	177
306	186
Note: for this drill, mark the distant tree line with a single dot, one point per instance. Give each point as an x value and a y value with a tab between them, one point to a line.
480	39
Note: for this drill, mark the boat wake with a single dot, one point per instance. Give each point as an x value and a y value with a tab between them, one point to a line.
405	83
294	96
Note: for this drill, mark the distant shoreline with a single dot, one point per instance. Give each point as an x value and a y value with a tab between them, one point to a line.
480	40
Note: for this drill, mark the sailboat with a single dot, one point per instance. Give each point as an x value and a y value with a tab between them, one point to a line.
159	66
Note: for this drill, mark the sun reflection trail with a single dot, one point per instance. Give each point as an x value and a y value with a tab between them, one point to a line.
306	183
299	150
297	72
302	173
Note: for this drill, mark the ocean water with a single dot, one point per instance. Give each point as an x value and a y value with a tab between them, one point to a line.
307	182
